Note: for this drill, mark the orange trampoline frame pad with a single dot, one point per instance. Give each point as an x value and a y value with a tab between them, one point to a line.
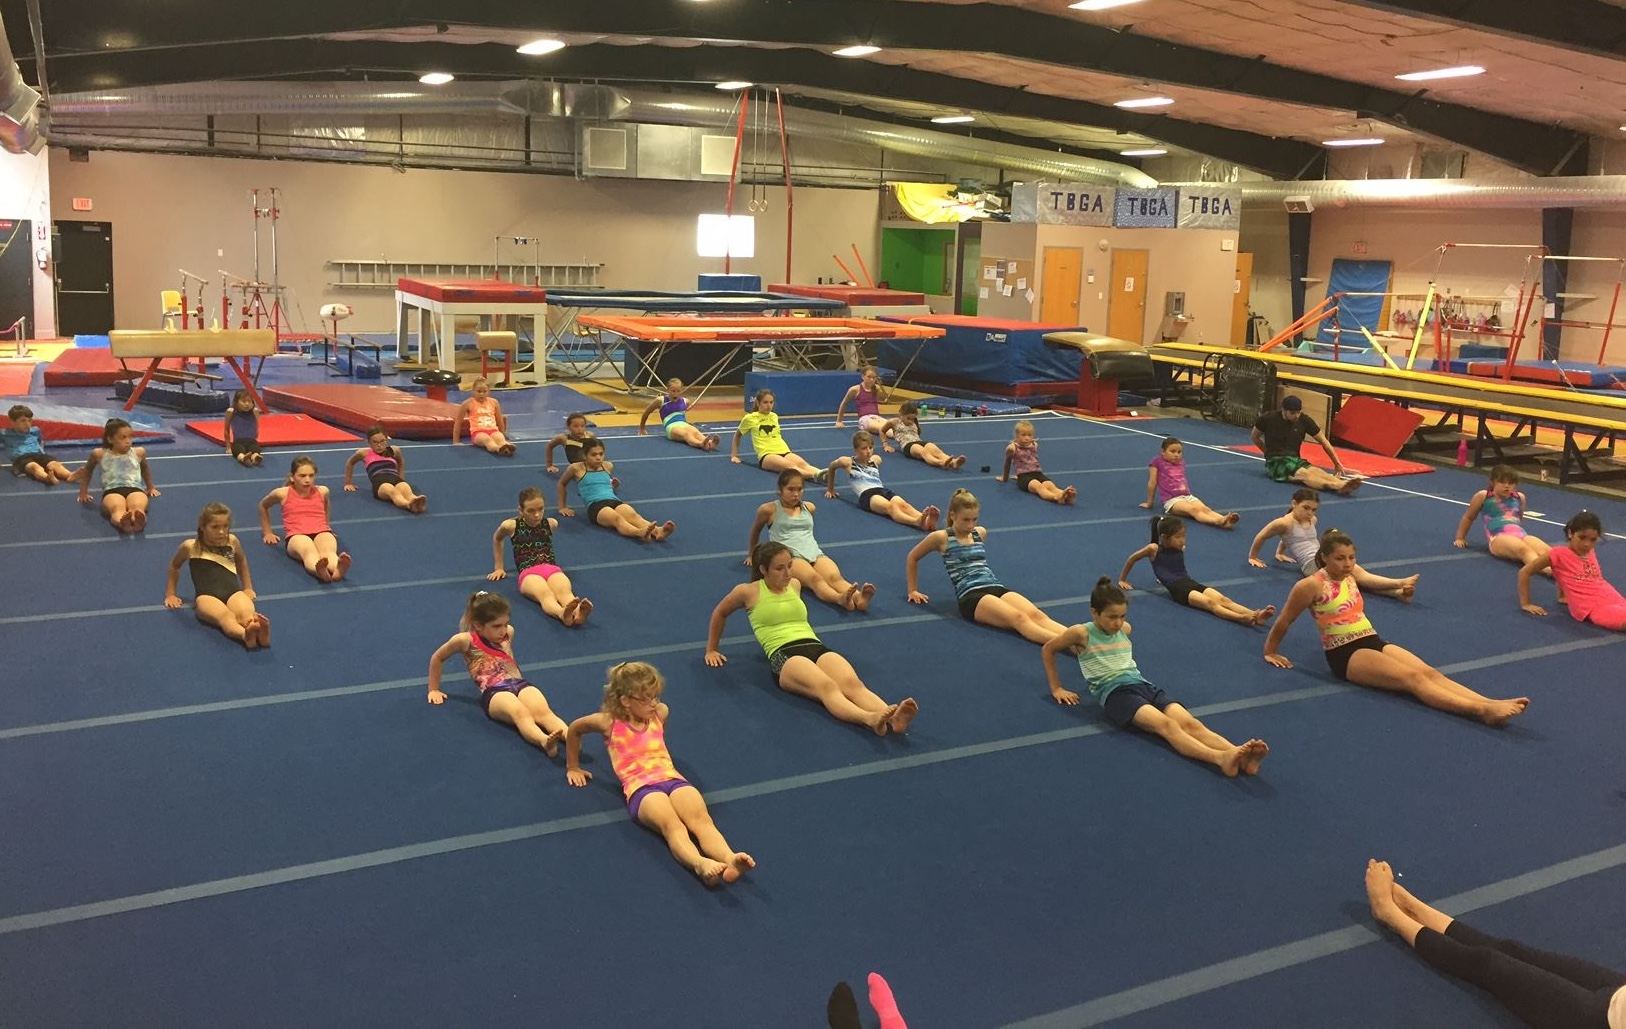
748	330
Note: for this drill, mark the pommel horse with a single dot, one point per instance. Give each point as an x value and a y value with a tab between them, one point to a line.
234	346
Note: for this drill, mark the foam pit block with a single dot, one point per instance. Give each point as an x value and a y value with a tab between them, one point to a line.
801	392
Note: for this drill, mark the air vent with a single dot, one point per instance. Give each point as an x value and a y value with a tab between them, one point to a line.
606	150
717	155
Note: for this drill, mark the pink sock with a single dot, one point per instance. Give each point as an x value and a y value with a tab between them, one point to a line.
880	998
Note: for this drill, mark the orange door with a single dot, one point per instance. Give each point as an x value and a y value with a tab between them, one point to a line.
1058	300
1239	300
1126	296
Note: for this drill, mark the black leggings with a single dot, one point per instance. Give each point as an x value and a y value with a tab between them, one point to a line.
1547	991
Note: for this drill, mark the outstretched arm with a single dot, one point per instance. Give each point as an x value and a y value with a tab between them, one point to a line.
173	578
505	530
565	480
733	601
457	420
242	566
1332	455
1005	472
85	473
1151	488
1526	571
842	407
643	419
1075	636
146	471
734	446
271	500
456	645
1274	527
911	564
830	475
1300	598
1475	505
1150	550
350	471
764	517
599	722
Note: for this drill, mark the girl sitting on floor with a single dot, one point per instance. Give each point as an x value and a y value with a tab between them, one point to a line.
1022	458
1581	584
674	411
223	592
864	476
486	423
486	641
789	521
1301	541
773	454
1168	553
1166	485
126	478
905	429
866	400
311	541
597	487
540	577
386	470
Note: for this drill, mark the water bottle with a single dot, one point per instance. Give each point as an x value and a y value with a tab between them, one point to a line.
983	410
1462	453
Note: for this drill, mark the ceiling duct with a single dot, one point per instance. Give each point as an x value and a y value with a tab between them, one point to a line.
721	111
1558	191
547	99
19	105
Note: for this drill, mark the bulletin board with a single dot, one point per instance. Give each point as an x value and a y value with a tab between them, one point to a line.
997	274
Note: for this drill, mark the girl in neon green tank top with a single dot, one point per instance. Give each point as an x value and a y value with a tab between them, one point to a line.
633	724
1357	654
799	662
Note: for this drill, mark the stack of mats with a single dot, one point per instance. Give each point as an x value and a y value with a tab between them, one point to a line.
278	430
990	354
360	407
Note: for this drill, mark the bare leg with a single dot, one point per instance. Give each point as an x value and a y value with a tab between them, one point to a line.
1317	478
806	679
1017	613
303	549
1400	589
546	595
1201	512
691	809
1158	723
215	612
115	510
1397	669
842	673
1215	603
137	511
656	812
933	455
624	520
528	712
825	582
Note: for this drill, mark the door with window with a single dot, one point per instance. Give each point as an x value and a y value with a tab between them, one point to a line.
84	278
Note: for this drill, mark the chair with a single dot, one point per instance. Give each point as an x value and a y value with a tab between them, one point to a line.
173	306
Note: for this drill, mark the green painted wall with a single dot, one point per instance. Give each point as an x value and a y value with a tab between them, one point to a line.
914	259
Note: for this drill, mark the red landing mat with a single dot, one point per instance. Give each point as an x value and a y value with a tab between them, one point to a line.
1373	466
279	430
15	379
406	415
466	291
1374	425
93	366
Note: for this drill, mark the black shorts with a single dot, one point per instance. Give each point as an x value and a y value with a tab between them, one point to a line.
1027	477
122	491
1180	590
1122	703
1338	657
810	649
912	443
20	463
383	479
968	603
879	491
600	505
239	447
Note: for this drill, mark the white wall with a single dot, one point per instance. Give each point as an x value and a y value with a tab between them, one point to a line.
25	192
172	212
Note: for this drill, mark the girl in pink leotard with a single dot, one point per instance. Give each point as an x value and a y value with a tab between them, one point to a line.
1580	580
485	420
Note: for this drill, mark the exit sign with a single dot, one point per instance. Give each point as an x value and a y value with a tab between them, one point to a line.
81	203
1360	246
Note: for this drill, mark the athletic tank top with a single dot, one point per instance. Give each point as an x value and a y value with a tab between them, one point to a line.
120	471
1499	514
304	516
489	665
1107	662
1340	611
533	545
779	618
595	486
866	404
674	410
245	426
1302	542
639	757
862	478
573	450
906	432
1169	565
795	530
1582	581
482	415
967	564
1024	459
378	464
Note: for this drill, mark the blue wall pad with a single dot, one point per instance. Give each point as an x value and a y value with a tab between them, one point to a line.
84	424
738	283
93	341
960	407
187	401
990	351
801	392
1481	350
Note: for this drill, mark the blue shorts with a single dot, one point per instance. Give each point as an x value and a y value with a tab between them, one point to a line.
514	686
878	491
1122	703
668	787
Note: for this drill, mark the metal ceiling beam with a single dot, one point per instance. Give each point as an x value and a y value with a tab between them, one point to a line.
1280	158
1583	26
84	27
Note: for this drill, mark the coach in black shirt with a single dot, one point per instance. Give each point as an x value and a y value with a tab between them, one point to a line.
1279	436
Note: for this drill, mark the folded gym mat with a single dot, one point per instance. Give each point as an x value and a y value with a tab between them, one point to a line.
278	430
92	366
1373	466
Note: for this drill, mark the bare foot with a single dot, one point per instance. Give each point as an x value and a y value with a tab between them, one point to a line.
1380	881
1350	486
344	566
419	503
710	442
1231	763
138	520
712	872
570	617
324	571
906	712
1231	518
1500	712
584	610
865	592
958	462
929	517
1430	917
1069	495
507	450
550	746
738	865
850	600
126	522
666	530
883	720
1264	614
1253	755
251	636
264	624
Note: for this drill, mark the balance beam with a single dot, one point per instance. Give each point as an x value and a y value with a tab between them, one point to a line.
234	346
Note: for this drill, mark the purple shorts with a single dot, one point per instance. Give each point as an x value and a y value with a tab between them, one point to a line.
545	570
514	686
668	787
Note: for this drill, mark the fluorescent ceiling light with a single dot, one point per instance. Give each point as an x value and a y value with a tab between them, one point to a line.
953	119
1145	101
735	84
435	78
1100	5
542	46
1148	152
861	50
1459	72
1357	141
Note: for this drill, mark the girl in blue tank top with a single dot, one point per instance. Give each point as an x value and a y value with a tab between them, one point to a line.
789	521
864	476
1168	553
597	486
982	597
